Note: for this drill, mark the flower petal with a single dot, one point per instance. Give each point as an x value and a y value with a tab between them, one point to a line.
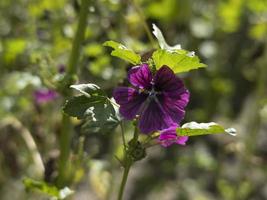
182	140
44	95
165	80
175	96
129	100
169	136
154	118
140	76
174	105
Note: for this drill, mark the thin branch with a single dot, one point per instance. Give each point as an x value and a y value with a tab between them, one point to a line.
28	139
144	23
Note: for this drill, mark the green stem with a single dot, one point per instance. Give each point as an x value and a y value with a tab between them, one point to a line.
78	39
124	178
123	135
136	134
128	163
64	142
66	131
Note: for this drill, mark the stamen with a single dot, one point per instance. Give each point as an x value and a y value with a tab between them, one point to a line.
141	90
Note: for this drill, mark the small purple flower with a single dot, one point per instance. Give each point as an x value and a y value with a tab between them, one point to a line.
158	99
169	137
61	69
44	95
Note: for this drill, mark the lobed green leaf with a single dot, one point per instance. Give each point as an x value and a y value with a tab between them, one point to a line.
104	120
80	106
123	52
94	107
196	129
179	60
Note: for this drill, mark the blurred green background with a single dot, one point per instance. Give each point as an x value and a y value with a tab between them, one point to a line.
228	35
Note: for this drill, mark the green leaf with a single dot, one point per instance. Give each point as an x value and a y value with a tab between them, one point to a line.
179	60
94	107
94	49
50	190
80	106
123	52
13	48
173	56
89	89
161	40
195	129
104	120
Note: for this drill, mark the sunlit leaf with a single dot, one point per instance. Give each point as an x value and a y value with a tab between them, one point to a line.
168	10
38	7
195	129
230	14
258	31
50	190
123	52
100	65
178	61
161	40
173	56
94	50
13	48
65	192
257	6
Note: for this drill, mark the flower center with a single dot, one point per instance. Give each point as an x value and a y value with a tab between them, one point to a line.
153	92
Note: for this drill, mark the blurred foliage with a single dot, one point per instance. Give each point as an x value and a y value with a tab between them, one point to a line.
230	37
49	190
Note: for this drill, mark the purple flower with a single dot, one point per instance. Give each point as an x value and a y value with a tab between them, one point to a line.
169	136
61	69
44	95
159	100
